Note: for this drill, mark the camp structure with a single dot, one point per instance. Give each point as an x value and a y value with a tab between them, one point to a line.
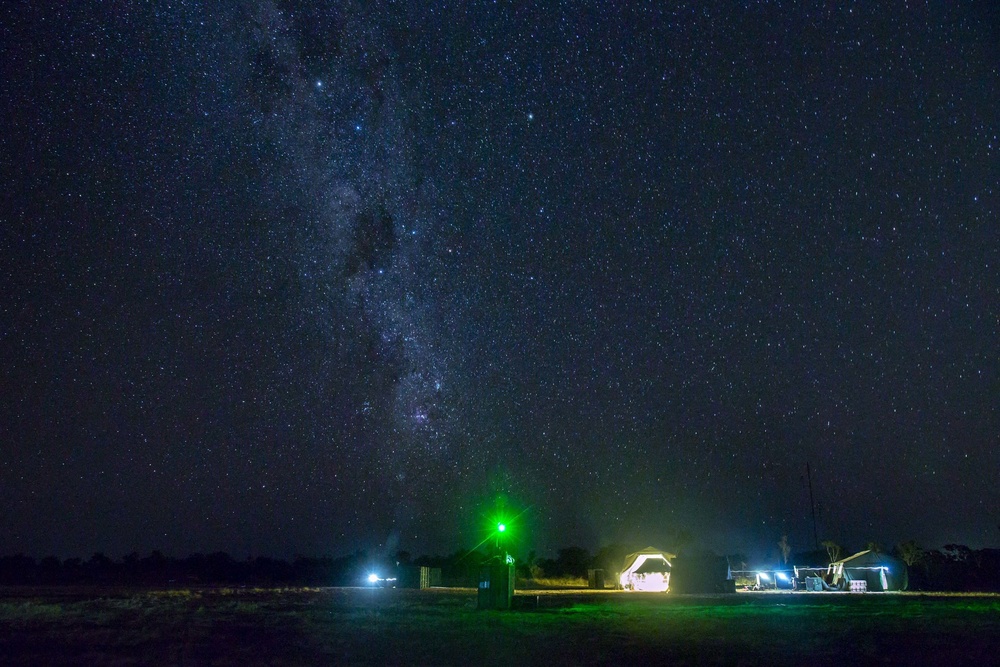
701	573
646	570
878	571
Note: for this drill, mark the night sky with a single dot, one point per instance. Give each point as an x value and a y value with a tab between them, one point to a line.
309	277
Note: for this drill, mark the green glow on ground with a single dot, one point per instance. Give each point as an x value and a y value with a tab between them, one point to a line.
442	626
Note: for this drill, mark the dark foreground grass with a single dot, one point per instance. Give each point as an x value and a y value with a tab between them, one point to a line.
358	626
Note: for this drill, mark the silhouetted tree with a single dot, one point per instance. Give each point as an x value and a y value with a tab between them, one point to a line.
909	552
785	547
833	550
682	538
73	569
526	568
957	552
738	561
573	562
612	556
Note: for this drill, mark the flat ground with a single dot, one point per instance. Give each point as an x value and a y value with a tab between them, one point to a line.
442	626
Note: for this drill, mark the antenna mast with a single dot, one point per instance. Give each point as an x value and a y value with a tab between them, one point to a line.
812	505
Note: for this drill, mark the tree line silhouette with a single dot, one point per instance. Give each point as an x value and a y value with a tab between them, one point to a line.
221	569
954	567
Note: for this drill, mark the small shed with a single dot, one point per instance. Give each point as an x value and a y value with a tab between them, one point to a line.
646	570
879	571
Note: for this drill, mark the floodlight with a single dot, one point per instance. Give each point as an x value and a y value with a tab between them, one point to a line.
782	576
763	575
501	527
372	578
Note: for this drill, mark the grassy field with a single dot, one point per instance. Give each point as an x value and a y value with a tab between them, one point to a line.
359	626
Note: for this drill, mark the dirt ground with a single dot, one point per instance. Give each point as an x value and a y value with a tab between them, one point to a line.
69	626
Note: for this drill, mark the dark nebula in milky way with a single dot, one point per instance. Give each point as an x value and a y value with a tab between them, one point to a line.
309	277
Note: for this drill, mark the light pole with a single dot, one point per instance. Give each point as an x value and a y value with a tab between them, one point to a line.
501	529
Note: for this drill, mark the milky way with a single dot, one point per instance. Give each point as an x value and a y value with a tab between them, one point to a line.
310	277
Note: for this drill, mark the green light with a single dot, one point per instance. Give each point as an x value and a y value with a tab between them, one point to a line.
501	527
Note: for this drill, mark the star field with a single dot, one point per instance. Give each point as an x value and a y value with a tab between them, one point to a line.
292	277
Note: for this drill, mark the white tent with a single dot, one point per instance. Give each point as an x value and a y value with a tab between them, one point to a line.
646	570
880	571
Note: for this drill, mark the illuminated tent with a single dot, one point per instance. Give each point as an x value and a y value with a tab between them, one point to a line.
882	572
646	570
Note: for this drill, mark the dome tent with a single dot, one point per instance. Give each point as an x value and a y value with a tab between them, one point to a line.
646	570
